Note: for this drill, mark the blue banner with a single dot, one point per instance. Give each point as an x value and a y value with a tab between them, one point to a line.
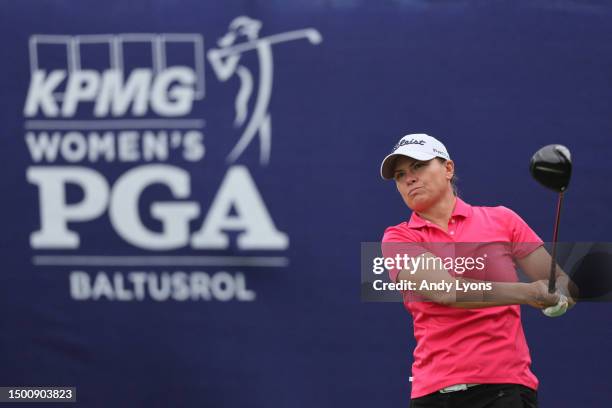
186	186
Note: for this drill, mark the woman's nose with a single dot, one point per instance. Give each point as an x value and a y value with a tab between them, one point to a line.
410	178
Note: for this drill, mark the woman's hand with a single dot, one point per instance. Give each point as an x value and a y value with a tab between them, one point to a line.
538	296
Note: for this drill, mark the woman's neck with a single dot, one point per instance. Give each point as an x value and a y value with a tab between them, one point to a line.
440	213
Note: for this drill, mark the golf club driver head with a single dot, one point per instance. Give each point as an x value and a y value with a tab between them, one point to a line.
551	166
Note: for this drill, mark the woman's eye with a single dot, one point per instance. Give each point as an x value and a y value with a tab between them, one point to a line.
398	176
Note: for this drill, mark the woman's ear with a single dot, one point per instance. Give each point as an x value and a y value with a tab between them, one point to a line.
450	169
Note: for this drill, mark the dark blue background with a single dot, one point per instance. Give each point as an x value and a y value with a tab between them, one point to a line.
495	80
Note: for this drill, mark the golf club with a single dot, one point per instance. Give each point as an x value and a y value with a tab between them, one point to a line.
551	166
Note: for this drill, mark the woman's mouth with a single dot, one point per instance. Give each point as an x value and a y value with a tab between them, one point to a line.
411	192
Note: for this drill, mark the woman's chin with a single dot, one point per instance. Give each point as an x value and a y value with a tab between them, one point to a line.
418	204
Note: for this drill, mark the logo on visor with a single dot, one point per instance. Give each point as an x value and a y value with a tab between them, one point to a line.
440	152
404	142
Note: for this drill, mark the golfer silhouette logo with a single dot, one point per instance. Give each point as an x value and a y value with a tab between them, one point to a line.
243	36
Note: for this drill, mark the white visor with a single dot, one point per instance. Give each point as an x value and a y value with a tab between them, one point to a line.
419	146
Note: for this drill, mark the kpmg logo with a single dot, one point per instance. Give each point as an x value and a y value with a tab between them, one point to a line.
157	86
63	77
94	100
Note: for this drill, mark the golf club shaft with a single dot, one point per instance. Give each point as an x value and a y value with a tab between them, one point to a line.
552	279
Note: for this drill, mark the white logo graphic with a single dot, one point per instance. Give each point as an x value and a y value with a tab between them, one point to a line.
169	88
225	61
126	102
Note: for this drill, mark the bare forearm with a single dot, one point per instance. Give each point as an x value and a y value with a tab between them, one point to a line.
463	293
536	266
493	294
439	286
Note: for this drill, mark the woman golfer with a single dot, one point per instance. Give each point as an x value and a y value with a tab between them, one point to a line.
471	349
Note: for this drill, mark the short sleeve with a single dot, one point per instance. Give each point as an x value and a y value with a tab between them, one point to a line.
524	240
399	240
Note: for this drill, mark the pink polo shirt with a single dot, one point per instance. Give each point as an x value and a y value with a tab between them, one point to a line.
456	346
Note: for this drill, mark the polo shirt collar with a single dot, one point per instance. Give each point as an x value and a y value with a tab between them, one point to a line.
462	209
